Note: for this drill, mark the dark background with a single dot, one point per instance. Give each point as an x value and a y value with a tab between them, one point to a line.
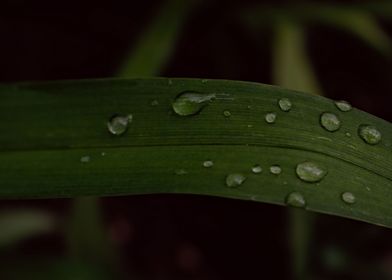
184	236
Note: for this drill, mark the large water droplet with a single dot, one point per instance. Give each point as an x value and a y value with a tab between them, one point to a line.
234	180
348	197
85	159
226	113
190	103
343	106
296	199
309	171
208	163
285	104
275	169
370	134
118	124
270	117
330	121
257	169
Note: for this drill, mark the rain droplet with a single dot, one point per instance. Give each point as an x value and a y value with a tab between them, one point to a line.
285	104
296	199
208	163
311	172
370	134
270	117
343	106
234	180
275	169
85	159
348	197
190	103
118	124
180	172
226	113
330	121
154	102
348	134
257	169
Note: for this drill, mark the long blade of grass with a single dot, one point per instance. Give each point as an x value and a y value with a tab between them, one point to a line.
50	128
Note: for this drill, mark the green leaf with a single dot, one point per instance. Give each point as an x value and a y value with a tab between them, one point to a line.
50	129
154	48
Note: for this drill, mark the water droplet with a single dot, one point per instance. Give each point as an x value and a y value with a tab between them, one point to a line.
370	134
285	104
311	172
118	124
330	121
190	103
296	199
85	159
270	117
208	163
169	82
103	154
234	180
257	169
343	106
348	197
154	102
180	172
275	169
348	134
226	113
204	81
250	125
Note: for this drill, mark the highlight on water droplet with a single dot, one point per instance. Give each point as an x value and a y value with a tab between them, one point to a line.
191	103
226	113
370	134
343	106
296	199
275	169
234	180
85	159
180	172
270	117
348	197
256	169
329	121
310	171
208	163
118	124
285	104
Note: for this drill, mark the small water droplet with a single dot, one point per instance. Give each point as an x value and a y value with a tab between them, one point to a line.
275	169
343	106
296	199
370	134
311	172
85	159
226	113
204	81
250	125
180	172
257	169
208	163
285	104
190	103
169	82
249	107
270	117
154	102
118	124
103	154
348	197
329	121
234	180
348	134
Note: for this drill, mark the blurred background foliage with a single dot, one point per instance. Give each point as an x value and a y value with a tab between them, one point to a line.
341	49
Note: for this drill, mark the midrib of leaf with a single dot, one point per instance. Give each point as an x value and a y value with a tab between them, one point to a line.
64	125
